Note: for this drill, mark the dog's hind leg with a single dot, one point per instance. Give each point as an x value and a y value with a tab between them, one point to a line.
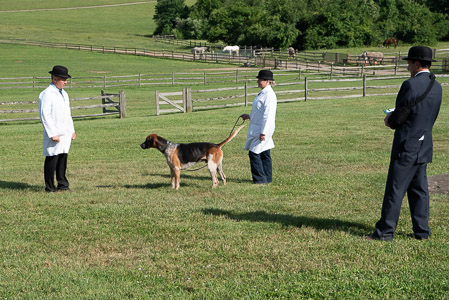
212	166
220	171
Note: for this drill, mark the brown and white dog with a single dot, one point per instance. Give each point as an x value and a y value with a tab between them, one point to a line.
182	156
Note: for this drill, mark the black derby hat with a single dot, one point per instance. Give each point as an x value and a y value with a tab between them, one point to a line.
420	53
265	74
60	71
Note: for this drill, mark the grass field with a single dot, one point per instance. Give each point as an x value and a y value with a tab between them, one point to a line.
124	233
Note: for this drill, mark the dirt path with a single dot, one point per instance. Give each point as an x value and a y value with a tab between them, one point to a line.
74	8
439	184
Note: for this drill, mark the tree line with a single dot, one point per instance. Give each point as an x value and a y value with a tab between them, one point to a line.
305	24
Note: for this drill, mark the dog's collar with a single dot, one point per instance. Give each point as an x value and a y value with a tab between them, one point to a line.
169	145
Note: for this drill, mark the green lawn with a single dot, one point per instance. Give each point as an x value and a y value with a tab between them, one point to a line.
124	233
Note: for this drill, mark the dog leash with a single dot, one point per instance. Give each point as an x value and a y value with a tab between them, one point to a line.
235	125
232	130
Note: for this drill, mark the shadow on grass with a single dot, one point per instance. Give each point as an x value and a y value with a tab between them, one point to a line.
289	220
192	176
20	186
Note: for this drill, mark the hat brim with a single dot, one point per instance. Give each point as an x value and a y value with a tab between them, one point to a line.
60	75
417	58
264	78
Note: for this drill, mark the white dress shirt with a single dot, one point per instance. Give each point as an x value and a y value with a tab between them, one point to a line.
262	121
55	115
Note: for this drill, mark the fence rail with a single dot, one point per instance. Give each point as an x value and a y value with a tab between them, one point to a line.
201	78
248	56
192	100
108	107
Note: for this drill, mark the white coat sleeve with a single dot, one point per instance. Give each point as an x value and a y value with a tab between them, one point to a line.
45	113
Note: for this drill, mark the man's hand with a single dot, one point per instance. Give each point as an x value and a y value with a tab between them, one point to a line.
73	136
386	119
245	117
262	137
55	138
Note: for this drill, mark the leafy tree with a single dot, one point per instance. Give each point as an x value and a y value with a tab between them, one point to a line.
166	13
411	22
195	26
311	24
229	23
342	23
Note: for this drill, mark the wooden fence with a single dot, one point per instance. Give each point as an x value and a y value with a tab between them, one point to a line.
248	56
23	110
203	78
192	100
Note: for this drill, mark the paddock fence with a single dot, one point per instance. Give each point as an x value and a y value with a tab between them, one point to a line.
248	56
238	75
309	89
111	104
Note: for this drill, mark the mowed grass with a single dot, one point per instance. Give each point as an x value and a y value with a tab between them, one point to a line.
124	233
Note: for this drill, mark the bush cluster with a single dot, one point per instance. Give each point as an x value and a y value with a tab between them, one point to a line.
305	24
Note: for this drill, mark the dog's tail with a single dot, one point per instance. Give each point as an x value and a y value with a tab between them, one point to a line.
231	136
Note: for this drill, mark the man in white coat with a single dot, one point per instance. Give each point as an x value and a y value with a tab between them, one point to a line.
56	118
261	128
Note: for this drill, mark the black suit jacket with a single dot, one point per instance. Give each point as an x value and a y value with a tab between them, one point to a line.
413	139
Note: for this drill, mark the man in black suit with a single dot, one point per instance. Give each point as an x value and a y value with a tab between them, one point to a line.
412	147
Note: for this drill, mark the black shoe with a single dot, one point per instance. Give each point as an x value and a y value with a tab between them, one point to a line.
50	191
418	237
64	189
374	237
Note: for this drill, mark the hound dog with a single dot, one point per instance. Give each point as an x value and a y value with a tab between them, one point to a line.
182	156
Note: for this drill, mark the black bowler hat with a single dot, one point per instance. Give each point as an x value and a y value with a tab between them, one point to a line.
60	71
420	53
265	74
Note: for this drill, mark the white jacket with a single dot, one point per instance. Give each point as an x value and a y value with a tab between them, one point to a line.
262	121
55	115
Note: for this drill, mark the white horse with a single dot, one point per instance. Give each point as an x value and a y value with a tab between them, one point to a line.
200	51
234	50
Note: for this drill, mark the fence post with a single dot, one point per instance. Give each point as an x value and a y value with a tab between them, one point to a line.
246	93
184	99
122	101
189	100
204	78
103	101
364	85
157	103
299	73
305	88
104	81
332	69
34	82
172	78
396	66
140	80
236	75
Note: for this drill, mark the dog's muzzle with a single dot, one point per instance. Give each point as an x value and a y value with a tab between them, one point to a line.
143	146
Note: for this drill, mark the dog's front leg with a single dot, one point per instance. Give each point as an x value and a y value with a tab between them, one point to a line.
173	178
177	177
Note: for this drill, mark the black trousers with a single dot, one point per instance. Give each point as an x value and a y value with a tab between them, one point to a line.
261	167
401	179
56	164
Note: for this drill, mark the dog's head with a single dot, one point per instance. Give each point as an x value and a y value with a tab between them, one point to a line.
150	142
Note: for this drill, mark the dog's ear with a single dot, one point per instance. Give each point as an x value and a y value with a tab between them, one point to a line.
152	140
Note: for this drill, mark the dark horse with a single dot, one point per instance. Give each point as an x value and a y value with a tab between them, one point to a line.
389	42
